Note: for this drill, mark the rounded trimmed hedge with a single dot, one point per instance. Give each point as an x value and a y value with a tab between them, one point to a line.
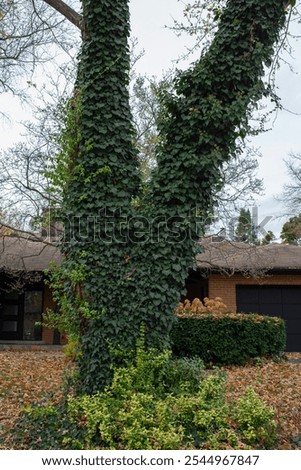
229	338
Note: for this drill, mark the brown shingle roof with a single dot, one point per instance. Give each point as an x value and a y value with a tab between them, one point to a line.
240	257
24	254
20	254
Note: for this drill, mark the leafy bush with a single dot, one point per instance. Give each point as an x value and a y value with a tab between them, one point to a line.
226	338
155	403
255	420
183	374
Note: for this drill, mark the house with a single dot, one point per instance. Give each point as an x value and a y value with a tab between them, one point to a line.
24	296
259	279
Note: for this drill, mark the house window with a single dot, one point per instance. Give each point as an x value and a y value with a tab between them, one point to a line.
33	305
11	296
10	316
11	310
9	326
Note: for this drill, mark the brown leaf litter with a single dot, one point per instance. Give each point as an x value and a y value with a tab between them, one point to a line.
27	377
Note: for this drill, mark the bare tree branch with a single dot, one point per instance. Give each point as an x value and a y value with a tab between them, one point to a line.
291	192
33	33
68	12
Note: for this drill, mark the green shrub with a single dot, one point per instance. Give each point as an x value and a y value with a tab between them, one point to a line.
71	349
183	374
228	338
202	420
139	421
255	420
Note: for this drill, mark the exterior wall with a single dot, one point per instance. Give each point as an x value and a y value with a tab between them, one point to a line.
48	303
225	287
196	287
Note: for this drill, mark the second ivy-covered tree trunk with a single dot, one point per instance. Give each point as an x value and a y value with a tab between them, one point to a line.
128	248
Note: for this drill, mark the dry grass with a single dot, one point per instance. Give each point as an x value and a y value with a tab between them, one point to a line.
26	377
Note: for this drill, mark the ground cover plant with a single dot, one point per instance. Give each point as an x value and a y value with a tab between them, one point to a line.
276	383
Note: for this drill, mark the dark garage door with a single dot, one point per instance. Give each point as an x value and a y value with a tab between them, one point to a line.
279	301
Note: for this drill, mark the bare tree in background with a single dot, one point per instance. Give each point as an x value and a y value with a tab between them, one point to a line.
33	33
291	193
240	185
39	41
26	190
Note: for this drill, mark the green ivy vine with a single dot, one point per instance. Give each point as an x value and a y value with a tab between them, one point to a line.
133	247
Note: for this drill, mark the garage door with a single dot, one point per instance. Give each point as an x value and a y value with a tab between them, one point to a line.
280	301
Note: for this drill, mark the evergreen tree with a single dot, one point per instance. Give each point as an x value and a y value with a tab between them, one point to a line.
268	238
291	231
245	230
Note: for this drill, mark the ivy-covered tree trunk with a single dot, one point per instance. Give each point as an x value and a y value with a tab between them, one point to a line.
103	183
128	248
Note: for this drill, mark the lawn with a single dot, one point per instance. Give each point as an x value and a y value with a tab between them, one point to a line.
26	377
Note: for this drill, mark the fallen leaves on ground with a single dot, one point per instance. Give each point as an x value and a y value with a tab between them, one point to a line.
27	377
279	386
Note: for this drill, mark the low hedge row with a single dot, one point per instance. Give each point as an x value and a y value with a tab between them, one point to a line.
229	338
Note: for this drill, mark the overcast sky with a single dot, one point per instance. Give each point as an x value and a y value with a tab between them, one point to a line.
162	47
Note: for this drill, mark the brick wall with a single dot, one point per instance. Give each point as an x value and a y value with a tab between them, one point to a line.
225	287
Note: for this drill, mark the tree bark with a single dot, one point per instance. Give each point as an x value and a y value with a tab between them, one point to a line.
68	12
